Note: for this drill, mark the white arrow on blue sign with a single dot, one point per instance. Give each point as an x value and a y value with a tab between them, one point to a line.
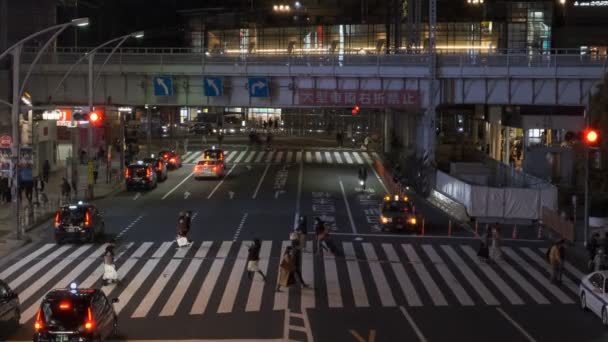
163	86
258	87
213	86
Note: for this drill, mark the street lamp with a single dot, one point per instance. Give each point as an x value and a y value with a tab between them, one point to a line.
15	50
92	81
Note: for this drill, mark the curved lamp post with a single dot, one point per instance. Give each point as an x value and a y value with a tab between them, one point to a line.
15	50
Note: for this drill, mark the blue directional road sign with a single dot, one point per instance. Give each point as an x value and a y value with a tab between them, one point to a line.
258	87
163	86
213	86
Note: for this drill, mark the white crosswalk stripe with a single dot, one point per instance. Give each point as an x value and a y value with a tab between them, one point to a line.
269	156
374	274
299	157
308	157
358	158
229	155
35	254
318	157
287	156
338	158
279	157
354	273
250	156
349	160
259	157
204	294
241	155
328	158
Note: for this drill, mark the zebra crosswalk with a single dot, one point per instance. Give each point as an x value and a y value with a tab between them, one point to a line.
289	156
161	280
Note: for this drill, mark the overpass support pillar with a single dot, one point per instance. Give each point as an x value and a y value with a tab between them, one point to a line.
387	130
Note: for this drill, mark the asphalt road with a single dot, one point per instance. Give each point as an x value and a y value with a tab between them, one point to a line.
387	287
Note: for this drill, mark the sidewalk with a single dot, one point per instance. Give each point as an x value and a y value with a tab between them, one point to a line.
38	213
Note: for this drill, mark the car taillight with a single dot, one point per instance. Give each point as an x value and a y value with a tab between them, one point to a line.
89	324
198	168
215	168
57	219
173	160
127	173
87	219
38	325
148	173
166	156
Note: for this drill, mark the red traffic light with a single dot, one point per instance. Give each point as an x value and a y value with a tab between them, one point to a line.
591	136
355	110
93	117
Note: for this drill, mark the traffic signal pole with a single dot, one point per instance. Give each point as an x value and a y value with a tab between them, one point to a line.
90	126
586	214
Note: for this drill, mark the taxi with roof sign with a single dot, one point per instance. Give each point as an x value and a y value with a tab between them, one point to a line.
76	314
212	165
398	213
78	222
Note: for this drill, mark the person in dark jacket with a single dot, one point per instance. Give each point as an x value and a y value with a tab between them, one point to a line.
253	259
4	188
46	170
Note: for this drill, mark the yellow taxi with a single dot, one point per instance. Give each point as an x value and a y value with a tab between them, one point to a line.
397	213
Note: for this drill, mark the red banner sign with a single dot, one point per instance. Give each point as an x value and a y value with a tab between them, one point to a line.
362	98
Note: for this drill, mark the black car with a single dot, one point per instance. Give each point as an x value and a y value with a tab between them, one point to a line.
9	307
160	166
140	175
78	222
173	159
75	315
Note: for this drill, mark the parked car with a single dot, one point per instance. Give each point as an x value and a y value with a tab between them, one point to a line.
10	313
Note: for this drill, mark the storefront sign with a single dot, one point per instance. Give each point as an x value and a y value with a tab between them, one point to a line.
591	3
363	98
6	140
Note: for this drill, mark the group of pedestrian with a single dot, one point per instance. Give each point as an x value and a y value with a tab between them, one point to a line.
598	260
290	267
489	247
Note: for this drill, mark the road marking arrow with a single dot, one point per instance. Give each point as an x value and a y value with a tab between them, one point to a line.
186	194
359	338
136	196
256	85
231	194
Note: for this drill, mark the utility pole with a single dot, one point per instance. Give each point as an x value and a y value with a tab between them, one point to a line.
16	143
149	130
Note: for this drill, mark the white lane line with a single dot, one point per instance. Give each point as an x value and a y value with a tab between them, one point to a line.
281	299
222	181
14	267
569	267
516	325
367	158
338	158
269	156
250	156
328	158
318	157
350	215
28	273
404	281
234	280
308	295
238	229
298	156
140	278
178	293
255	193
523	283
44	279
425	277
349	160
127	228
308	157
204	294
279	157
230	155
447	276
410	320
254	300
494	277
334	295
384	290
544	281
95	276
289	157
469	275
259	156
241	155
152	295
359	160
543	264
178	185
354	274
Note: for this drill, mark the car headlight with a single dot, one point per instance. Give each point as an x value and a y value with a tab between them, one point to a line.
385	219
412	220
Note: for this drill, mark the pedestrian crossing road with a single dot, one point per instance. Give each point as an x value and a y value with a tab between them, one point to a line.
336	157
161	280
